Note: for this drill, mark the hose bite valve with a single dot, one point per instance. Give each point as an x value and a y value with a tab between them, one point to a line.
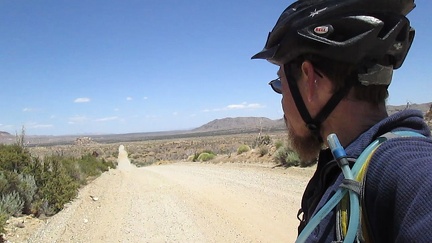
337	150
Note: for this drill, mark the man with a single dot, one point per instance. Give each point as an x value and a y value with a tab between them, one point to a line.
336	59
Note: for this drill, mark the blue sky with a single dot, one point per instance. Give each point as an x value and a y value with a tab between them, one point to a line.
99	67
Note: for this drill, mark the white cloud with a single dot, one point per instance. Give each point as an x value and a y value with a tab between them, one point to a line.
35	125
82	119
82	100
129	98
77	119
42	126
107	119
242	106
28	109
235	107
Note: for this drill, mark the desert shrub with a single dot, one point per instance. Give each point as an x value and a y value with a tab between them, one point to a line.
56	186
79	169
23	184
261	140
72	167
14	158
207	154
292	159
4	185
262	150
3	218
32	185
278	144
195	156
243	148
9	181
27	189
145	162
11	203
92	166
205	157
286	157
42	207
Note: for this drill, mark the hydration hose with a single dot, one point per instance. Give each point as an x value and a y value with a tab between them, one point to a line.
340	155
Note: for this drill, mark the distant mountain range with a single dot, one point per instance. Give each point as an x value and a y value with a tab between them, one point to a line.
257	123
391	109
223	126
242	124
4	134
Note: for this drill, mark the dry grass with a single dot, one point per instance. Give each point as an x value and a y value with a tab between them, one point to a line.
172	150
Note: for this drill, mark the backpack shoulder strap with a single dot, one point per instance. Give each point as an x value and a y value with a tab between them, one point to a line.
359	170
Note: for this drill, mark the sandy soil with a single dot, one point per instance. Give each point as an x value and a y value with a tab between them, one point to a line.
181	202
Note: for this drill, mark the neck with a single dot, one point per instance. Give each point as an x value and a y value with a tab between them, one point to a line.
351	118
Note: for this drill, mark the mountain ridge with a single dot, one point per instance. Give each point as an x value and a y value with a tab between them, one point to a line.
222	126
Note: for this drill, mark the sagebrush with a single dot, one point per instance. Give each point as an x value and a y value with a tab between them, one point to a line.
30	185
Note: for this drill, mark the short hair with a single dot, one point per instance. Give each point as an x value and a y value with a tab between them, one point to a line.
340	74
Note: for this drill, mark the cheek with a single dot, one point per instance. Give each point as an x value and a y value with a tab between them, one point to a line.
287	102
292	116
288	108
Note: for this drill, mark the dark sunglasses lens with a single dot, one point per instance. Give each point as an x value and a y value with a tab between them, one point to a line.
276	85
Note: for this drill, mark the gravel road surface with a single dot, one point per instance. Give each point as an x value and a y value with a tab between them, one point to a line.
183	202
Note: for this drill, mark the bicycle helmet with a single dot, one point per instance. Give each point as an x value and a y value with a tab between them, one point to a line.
373	35
350	31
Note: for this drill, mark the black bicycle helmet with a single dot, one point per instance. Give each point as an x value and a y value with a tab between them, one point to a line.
351	31
373	35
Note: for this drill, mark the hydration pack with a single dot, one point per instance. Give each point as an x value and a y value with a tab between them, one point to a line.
341	201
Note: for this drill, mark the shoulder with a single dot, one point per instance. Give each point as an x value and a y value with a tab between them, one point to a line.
401	158
402	151
398	187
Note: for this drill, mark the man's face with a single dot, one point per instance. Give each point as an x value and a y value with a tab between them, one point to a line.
299	136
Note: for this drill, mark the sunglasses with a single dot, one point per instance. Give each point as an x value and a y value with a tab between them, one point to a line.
276	84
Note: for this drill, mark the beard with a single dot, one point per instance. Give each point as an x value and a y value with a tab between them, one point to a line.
307	147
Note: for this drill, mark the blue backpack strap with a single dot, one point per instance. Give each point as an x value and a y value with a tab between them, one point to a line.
335	200
359	170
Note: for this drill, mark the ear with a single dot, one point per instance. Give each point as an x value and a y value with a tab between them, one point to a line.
310	81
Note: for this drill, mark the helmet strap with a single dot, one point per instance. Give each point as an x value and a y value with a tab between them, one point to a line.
314	124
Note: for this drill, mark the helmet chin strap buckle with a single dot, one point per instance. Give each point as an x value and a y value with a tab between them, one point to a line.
314	128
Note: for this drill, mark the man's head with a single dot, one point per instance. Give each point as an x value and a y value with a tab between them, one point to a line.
354	44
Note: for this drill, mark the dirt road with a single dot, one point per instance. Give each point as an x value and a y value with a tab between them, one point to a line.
183	202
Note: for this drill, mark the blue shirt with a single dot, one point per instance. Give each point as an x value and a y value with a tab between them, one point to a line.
398	194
